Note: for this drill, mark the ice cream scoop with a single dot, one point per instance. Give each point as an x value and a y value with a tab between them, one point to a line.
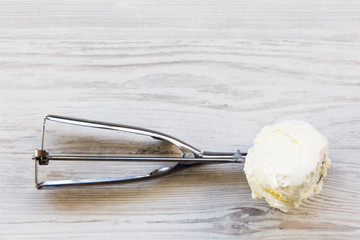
287	164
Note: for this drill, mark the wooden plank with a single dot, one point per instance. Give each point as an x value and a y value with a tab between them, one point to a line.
210	74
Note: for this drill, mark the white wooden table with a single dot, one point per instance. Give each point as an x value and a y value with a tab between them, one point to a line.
211	73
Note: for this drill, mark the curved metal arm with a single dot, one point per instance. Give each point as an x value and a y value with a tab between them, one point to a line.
183	146
161	172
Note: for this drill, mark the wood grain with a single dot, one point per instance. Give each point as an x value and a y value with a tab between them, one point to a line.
212	74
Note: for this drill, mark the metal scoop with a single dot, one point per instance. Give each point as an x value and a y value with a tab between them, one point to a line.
190	156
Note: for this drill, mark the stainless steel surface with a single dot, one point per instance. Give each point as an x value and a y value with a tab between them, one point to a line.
184	147
190	157
138	159
95	181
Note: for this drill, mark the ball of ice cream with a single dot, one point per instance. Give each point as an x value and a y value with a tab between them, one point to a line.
287	164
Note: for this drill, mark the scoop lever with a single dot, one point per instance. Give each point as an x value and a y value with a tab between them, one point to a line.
190	156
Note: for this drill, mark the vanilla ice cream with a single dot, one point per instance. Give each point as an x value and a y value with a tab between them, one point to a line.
287	164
